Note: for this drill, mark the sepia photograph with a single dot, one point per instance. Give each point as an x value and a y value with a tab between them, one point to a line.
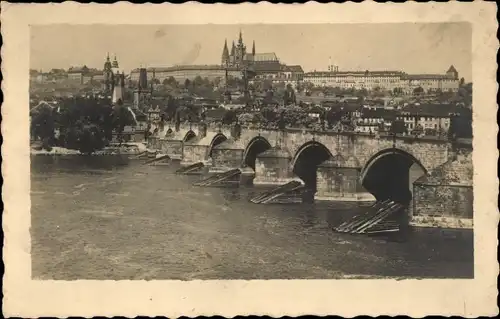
253	159
251	151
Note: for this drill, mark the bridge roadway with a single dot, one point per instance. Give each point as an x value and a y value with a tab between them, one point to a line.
345	166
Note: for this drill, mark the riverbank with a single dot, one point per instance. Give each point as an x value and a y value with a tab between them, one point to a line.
133	148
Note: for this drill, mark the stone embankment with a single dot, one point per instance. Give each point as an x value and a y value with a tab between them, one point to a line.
113	149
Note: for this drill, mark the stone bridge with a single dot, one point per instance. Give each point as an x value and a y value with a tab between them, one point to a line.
334	165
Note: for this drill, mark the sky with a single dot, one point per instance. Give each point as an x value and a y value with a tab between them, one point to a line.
409	47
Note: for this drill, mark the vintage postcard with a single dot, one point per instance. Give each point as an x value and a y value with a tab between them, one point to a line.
253	159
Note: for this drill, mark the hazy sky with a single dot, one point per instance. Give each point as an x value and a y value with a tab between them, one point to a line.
410	47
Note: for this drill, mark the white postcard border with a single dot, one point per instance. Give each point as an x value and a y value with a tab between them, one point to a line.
30	298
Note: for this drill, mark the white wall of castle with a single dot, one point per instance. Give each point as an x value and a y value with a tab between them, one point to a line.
190	74
384	82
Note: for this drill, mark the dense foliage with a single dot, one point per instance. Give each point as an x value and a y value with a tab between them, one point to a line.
461	126
84	124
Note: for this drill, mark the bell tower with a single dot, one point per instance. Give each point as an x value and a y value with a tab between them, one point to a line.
108	76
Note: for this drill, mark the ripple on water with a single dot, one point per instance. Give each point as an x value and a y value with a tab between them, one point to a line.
143	223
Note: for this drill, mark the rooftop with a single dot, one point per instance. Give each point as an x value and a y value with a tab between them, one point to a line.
355	73
292	68
182	67
438	110
270	56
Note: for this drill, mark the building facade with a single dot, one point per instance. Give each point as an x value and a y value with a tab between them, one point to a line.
428	117
182	73
385	80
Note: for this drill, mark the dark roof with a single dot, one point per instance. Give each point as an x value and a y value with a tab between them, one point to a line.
315	109
355	73
82	69
350	107
292	68
215	114
267	67
437	110
184	67
377	113
426	76
271	56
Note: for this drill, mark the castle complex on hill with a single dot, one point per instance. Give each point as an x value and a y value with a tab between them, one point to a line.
268	66
263	65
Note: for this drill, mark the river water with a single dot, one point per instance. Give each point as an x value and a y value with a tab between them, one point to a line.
109	218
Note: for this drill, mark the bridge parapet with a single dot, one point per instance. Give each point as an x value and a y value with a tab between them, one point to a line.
427	151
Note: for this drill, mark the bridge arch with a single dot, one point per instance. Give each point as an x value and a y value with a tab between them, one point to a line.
216	140
256	146
189	135
389	173
306	161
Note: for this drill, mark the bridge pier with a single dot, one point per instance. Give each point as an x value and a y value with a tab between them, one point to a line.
193	152
338	179
172	147
227	156
444	197
272	167
153	143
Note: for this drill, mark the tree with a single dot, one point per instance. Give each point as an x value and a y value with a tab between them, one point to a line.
398	127
122	117
299	87
333	116
289	96
269	115
171	82
229	117
172	105
362	92
43	125
297	117
267	85
418	90
85	123
460	126
198	81
90	138
217	81
269	98
397	91
187	83
462	81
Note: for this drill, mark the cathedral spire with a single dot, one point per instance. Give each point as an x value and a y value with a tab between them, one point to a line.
240	40
233	49
225	53
253	48
107	64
